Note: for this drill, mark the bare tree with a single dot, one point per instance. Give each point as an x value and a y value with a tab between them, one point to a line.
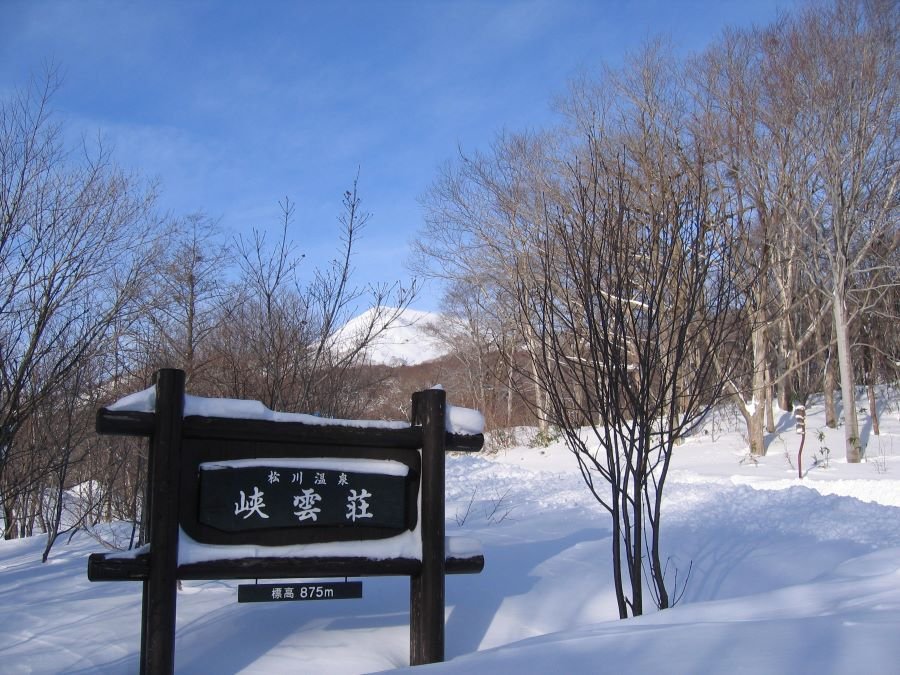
190	300
619	264
484	347
279	343
74	240
479	214
62	430
846	66
631	308
800	115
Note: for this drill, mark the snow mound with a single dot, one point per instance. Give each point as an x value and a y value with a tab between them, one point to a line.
464	421
406	342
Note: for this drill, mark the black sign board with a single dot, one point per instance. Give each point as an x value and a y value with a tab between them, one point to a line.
234	499
318	590
279	494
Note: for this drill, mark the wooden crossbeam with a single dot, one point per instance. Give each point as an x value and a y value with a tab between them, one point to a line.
114	567
131	423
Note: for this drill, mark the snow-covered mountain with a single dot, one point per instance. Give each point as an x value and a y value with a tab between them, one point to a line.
406	342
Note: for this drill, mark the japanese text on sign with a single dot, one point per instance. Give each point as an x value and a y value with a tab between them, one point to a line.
254	497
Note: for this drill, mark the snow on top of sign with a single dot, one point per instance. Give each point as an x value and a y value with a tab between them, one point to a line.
464	421
461	420
401	546
407	544
254	410
384	467
145	401
130	554
139	401
462	547
458	420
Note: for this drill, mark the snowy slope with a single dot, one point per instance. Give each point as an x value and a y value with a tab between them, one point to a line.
789	576
405	343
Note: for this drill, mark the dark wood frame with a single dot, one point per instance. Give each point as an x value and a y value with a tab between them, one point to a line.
173	464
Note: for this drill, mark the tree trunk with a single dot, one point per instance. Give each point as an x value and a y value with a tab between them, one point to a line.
9	521
784	394
828	385
755	415
509	396
770	414
873	408
618	581
540	406
869	364
756	430
831	418
845	365
786	365
637	551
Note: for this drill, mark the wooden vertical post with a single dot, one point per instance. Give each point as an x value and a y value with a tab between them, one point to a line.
426	607
160	588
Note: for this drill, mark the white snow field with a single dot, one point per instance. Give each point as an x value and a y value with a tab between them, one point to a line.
788	576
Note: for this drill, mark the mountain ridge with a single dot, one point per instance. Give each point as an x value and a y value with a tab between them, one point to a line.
406	342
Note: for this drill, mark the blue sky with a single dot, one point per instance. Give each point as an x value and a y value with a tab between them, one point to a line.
234	105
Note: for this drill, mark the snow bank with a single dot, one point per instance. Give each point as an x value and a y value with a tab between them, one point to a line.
254	410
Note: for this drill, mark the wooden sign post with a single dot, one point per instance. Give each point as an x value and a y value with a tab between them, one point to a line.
426	604
229	481
160	587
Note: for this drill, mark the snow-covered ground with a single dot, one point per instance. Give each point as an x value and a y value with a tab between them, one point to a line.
788	576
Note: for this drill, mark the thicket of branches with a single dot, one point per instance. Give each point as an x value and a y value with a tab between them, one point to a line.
795	128
720	227
635	294
98	292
